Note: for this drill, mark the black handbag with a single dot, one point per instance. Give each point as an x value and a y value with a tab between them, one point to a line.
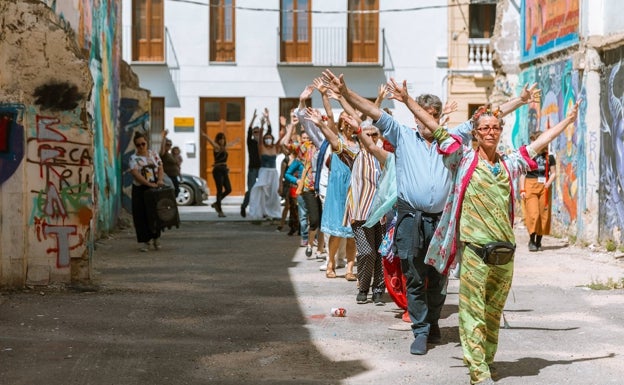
495	253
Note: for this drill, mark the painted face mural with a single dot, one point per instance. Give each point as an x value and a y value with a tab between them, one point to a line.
612	150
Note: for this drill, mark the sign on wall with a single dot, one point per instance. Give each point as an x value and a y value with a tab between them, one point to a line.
183	124
548	26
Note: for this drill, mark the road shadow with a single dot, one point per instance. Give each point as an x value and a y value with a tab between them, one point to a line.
531	366
214	305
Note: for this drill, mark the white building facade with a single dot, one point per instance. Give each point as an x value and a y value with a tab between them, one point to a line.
210	63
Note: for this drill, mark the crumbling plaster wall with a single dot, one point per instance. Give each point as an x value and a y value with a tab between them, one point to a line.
46	196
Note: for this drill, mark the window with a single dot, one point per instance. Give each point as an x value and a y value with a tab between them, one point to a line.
157	120
363	31
482	18
295	31
148	30
222	23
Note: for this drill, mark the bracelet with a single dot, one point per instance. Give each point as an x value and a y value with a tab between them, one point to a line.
521	191
359	130
324	118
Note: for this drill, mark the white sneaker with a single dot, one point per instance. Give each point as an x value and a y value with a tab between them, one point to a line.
145	247
323	267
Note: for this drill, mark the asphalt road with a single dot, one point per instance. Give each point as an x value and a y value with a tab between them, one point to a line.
228	301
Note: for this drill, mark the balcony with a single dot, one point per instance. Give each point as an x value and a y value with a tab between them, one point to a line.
330	47
479	55
162	75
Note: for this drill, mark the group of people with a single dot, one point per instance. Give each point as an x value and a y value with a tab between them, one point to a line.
440	199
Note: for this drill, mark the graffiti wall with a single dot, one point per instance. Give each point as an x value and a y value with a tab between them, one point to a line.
97	26
549	25
560	86
611	208
60	165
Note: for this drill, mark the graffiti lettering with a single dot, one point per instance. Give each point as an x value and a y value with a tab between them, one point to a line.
62	248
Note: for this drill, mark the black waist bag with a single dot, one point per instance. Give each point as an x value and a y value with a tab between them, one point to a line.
495	253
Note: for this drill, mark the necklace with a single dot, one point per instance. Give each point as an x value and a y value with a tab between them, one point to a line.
495	169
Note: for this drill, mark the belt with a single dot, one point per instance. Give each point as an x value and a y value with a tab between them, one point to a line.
494	253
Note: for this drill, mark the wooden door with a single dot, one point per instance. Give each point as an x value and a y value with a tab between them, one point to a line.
296	39
363	32
225	115
148	31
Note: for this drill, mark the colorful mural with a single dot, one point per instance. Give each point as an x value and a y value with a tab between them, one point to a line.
549	25
11	140
61	164
98	26
611	209
560	86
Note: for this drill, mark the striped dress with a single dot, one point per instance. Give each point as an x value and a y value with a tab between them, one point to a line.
364	176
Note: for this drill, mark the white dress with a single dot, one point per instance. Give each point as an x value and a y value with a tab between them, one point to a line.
264	200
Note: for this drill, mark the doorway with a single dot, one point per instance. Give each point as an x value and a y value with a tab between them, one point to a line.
225	115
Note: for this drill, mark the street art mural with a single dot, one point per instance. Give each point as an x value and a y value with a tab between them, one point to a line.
549	25
11	140
97	26
560	86
611	208
60	167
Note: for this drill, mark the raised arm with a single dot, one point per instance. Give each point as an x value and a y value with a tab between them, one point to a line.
322	89
365	140
316	118
448	109
527	95
338	85
285	141
381	95
549	135
316	136
265	116
399	92
212	142
253	119
233	143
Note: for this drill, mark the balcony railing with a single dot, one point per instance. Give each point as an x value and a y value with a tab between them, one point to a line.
329	47
170	58
479	54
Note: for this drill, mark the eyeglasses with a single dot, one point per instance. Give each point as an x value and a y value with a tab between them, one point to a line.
373	135
487	130
141	144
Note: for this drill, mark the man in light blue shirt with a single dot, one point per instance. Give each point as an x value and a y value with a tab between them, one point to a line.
423	184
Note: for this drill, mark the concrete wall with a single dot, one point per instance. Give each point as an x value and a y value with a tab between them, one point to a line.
46	190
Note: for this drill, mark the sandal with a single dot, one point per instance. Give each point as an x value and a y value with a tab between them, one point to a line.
350	277
330	274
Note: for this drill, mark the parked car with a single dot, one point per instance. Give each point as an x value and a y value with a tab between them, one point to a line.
193	190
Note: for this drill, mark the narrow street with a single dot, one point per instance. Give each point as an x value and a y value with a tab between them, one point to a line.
235	302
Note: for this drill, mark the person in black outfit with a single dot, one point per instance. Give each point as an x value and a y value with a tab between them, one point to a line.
220	171
170	163
147	172
253	135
